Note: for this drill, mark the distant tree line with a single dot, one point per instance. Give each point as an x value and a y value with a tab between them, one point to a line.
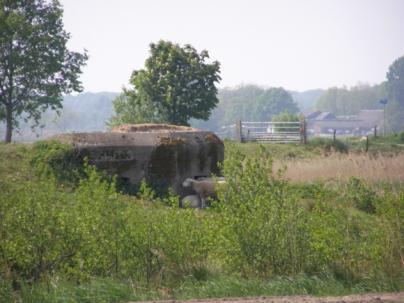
349	101
248	103
395	93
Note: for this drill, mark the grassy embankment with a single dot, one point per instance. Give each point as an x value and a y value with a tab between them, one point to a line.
71	237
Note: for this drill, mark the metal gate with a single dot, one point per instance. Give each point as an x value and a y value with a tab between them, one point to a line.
271	132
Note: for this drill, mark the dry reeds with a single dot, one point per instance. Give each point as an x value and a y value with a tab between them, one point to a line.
342	167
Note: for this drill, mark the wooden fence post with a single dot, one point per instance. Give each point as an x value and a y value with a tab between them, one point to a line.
334	136
367	144
375	131
239	131
303	131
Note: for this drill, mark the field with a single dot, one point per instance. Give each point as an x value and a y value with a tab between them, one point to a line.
330	223
321	161
341	167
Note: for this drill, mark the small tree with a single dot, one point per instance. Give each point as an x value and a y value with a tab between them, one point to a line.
35	65
177	84
286	117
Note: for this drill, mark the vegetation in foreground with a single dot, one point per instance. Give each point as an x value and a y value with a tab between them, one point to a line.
77	239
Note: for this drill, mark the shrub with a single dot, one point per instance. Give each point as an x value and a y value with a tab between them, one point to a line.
401	136
362	197
285	117
52	158
35	230
264	225
328	145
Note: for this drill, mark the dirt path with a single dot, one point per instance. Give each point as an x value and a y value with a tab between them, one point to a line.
366	298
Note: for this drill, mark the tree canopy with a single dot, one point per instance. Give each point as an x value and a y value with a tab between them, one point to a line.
249	103
344	101
35	65
395	88
177	84
286	117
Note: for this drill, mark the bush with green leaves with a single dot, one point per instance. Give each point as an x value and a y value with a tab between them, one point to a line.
96	231
269	230
328	145
286	117
265	229
52	158
361	195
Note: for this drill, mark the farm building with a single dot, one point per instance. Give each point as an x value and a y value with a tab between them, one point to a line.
319	123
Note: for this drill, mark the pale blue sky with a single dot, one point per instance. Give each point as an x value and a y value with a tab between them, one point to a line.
297	44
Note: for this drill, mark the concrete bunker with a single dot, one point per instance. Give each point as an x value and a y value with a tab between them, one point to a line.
164	155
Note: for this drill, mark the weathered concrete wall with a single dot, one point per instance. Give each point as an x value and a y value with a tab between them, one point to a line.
164	155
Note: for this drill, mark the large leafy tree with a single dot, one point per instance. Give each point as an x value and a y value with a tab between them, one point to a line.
395	88
177	84
35	65
274	101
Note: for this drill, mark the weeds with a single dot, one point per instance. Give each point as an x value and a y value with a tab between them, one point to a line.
264	236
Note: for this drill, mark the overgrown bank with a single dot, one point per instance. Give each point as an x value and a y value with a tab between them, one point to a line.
88	242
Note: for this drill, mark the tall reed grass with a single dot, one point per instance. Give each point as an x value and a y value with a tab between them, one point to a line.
344	166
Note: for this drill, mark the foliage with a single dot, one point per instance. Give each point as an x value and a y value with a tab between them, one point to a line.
328	145
35	65
266	224
344	101
286	117
249	103
263	223
390	209
128	109
306	99
363	198
264	235
177	84
52	158
395	88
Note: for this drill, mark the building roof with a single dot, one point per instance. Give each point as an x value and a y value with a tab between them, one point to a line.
326	116
312	115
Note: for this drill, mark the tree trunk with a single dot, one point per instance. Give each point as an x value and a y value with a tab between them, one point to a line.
9	124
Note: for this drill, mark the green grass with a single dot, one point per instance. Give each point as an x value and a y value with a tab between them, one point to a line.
393	143
116	290
317	147
281	151
14	162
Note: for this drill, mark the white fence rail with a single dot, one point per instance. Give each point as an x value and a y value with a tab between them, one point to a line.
271	132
